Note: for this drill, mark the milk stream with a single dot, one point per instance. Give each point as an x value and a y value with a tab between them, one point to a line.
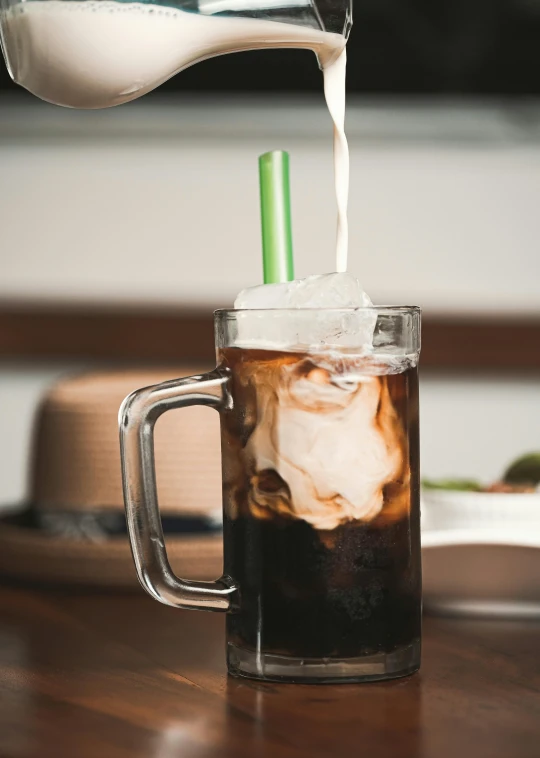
334	92
97	53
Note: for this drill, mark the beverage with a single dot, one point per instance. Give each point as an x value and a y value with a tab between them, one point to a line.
100	53
319	441
321	512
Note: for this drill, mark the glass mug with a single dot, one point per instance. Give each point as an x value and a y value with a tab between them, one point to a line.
320	452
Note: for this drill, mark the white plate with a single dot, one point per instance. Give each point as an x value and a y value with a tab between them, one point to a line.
451	509
482	572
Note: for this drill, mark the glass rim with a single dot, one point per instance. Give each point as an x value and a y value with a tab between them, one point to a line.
380	309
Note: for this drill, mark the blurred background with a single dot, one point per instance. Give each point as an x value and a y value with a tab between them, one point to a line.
121	230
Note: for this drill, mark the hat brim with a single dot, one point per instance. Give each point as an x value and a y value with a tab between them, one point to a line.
33	556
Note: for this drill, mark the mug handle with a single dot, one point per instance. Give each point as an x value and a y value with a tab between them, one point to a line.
137	417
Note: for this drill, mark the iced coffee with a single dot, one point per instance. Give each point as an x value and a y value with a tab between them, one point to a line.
320	477
317	392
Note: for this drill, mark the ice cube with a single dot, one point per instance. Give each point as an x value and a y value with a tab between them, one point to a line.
314	329
320	291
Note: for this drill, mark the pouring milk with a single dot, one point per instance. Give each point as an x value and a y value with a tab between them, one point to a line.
99	53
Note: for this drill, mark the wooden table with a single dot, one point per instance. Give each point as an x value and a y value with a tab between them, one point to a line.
104	675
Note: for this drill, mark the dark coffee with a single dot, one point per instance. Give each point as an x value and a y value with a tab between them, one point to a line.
321	493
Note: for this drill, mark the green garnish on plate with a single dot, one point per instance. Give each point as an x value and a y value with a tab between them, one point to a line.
460	485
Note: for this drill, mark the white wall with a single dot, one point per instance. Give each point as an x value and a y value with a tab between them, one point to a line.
21	388
474	427
160	204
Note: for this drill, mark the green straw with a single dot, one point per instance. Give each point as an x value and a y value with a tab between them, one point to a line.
276	217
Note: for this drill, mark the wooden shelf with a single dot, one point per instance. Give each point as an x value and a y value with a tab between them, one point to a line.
73	332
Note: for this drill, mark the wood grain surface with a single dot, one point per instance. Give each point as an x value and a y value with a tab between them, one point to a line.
77	332
85	675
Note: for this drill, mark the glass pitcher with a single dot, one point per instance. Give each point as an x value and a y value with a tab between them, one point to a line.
99	53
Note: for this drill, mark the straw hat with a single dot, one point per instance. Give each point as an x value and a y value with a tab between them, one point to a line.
74	528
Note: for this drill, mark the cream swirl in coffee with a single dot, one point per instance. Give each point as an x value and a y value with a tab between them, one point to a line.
324	445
